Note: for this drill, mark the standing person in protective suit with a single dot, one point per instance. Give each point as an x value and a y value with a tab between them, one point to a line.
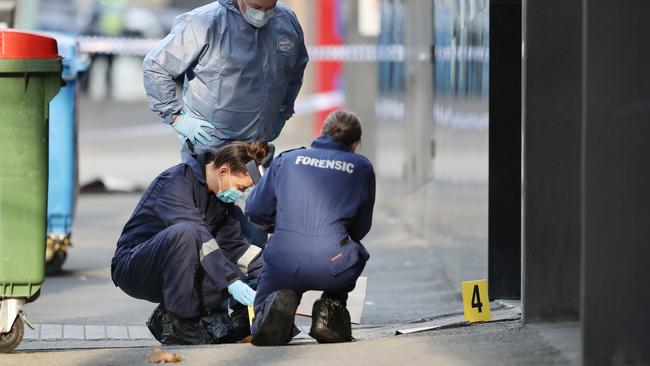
319	202
181	247
242	64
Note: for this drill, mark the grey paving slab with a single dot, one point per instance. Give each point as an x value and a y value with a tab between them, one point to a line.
75	344
139	332
73	331
32	333
117	332
51	331
94	332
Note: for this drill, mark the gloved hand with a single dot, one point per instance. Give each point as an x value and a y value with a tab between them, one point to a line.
242	292
278	126
193	129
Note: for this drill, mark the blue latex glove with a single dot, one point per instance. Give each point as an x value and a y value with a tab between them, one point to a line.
242	292
193	129
278	126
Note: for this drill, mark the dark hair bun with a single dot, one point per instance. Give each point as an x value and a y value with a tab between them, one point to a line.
237	154
258	150
344	126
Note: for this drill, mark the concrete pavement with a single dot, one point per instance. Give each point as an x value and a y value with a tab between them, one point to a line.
504	343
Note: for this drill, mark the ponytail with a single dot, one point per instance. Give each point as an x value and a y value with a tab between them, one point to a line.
344	126
237	154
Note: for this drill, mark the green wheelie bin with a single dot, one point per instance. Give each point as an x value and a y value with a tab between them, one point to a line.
30	76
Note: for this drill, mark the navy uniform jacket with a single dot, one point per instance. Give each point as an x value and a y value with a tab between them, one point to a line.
318	199
180	195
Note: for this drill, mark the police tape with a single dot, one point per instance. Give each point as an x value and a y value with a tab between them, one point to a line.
115	45
139	47
124	46
319	102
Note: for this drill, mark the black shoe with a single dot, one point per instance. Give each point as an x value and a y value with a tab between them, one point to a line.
155	322
330	322
184	332
276	326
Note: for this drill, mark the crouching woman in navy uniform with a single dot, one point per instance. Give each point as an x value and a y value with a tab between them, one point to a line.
182	249
319	201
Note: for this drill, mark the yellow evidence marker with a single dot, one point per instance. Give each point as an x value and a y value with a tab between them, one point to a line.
476	301
251	314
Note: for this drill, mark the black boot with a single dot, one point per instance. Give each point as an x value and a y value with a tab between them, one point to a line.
184	332
155	322
275	324
330	322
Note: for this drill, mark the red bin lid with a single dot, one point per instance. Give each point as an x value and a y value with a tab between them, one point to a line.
21	45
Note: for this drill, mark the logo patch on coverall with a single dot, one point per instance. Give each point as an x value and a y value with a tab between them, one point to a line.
339	165
285	45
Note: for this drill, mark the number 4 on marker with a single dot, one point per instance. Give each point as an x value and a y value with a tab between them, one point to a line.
476	301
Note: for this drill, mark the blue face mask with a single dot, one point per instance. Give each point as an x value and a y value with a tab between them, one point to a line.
231	194
257	18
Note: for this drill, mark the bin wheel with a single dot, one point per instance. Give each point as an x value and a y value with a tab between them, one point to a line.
9	341
54	265
35	296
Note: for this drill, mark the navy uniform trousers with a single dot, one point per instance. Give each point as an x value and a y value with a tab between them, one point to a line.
320	263
166	269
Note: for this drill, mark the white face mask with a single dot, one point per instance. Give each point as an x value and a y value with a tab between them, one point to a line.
257	18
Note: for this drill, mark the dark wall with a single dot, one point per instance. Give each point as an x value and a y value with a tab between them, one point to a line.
504	233
616	249
552	140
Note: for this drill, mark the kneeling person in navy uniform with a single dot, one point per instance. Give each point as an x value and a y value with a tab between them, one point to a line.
181	247
319	203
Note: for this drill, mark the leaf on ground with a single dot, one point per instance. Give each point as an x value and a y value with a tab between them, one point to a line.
248	339
164	357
